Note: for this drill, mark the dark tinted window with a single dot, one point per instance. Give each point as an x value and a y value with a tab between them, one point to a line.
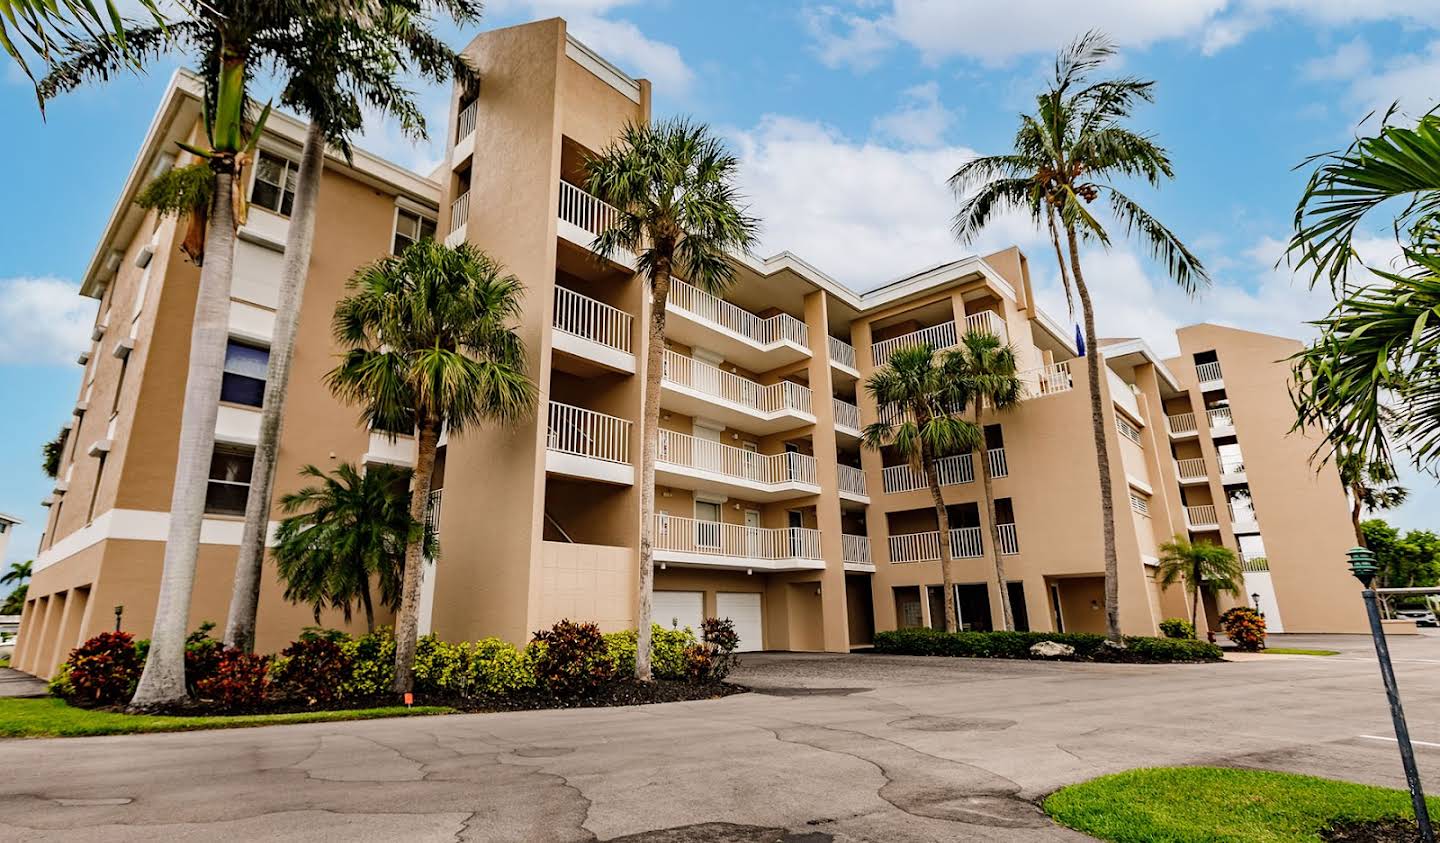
229	481
244	379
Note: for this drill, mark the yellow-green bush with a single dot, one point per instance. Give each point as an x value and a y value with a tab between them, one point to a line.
668	648
497	667
372	664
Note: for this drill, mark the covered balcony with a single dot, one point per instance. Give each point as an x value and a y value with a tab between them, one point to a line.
711	544
842	358
855	552
584	444
1181	425
1202	517
965	543
847	418
1222	423
953	470
852	485
688	462
591	330
942	336
696	388
1192	470
700	319
1209	376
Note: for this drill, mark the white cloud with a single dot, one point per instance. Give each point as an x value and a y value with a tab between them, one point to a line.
858	36
617	40
921	120
1412	81
1348	60
43	321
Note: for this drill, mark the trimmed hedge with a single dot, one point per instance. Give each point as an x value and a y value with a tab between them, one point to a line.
1016	645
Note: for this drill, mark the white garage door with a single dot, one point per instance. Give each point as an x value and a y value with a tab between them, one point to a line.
744	610
679	609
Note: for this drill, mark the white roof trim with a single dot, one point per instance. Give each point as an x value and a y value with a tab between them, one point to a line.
1141	347
604	70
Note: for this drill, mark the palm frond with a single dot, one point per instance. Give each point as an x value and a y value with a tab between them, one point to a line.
1179	262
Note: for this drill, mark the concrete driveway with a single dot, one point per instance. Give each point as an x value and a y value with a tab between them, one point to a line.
855	747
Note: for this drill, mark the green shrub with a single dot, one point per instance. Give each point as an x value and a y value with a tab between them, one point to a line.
202	656
575	660
1148	649
1177	628
103	670
719	639
669	651
1246	627
372	664
312	669
442	667
622	647
60	685
498	668
239	682
1016	645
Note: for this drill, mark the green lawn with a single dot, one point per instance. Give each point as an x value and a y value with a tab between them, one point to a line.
52	718
1203	804
1299	651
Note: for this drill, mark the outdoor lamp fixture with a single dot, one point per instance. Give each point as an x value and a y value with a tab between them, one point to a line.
1362	565
119	610
1255	597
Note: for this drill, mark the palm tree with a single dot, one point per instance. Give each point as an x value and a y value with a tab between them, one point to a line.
430	345
48	28
326	86
673	184
987	373
19	575
50	454
1066	156
340	535
1201	565
1370	484
921	401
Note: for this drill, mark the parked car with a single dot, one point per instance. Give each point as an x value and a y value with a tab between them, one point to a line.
1421	617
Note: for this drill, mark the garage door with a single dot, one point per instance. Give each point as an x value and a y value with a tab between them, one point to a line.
679	609
744	610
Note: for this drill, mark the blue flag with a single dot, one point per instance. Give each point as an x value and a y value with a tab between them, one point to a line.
1080	340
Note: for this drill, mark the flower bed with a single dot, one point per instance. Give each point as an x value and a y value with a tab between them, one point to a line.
1017	645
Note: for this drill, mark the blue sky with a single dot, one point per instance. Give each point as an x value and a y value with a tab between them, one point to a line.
847	116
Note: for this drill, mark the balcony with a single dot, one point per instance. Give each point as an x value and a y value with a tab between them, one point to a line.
1222	423
687	462
582	217
1050	379
1182	425
965	543
1242	519
593	330
710	544
1192	470
465	134
589	445
1208	374
1254	564
459	216
1232	470
940	337
953	470
700	319
1009	539
855	552
842	357
696	388
1202	517
852	484
847	418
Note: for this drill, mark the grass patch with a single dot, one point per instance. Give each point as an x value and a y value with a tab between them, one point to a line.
1299	651
53	718
1203	804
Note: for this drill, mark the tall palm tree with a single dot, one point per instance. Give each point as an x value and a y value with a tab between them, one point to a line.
18	573
1203	566
673	184
1370	484
347	62
430	345
987	376
342	534
48	28
1066	156
921	402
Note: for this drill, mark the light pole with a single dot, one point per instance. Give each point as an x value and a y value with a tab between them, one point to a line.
1362	565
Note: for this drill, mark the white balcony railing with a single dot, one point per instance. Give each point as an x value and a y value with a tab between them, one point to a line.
1009	539
1201	516
679	449
581	209
1206	372
987	322
586	433
1191	469
938	337
432	512
856	550
1232	466
769	330
1242	517
712	538
965	543
1181	424
460	211
852	480
1254	564
465	125
593	320
999	466
1221	418
953	471
1048	380
728	386
846	414
842	352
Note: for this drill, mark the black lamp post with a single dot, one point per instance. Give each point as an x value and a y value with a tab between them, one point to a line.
1362	565
119	610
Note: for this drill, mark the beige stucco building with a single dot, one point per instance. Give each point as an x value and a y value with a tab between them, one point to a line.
770	512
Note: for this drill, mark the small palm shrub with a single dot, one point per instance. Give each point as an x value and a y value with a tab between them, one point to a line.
313	669
102	671
1177	628
239	682
572	660
372	664
1246	628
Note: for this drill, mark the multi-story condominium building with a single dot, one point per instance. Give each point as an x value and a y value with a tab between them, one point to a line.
769	510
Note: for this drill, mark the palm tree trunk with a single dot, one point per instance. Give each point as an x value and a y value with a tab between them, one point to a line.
245	598
1007	617
942	517
1195	603
1060	258
163	680
407	624
650	446
1355	509
1102	448
369	606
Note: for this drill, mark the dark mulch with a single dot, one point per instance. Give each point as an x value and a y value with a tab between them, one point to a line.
1372	831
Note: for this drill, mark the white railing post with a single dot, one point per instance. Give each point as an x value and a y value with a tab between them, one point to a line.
842	352
465	125
1221	417
592	320
585	211
999	467
847	415
856	549
1009	539
1192	468
1206	372
852	480
1181	423
586	433
938	337
460	211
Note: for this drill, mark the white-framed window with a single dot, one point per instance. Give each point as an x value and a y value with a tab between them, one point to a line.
246	367
1127	430
410	228
274	185
229	485
1139	503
